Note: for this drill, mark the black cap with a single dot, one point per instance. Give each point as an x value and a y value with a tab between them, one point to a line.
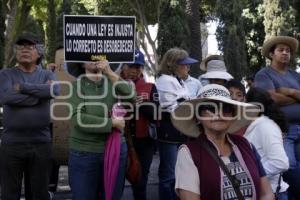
28	37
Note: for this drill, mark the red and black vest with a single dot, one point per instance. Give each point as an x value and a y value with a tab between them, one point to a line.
209	170
142	123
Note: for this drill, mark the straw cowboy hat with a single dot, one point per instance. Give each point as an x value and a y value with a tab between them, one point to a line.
270	42
183	117
203	64
216	69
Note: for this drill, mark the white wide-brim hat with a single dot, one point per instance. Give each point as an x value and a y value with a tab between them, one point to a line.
270	42
217	75
183	117
203	64
216	69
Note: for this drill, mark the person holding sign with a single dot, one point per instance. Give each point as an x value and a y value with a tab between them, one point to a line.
93	97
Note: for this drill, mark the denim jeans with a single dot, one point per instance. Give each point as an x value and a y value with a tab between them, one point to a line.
86	175
290	144
30	159
54	172
166	172
53	176
292	177
145	148
282	196
53	180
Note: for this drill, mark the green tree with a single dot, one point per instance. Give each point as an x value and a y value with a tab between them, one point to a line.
253	17
146	12
50	31
172	17
279	18
68	7
172	28
22	16
296	6
152	7
91	6
231	36
2	27
10	12
193	19
207	10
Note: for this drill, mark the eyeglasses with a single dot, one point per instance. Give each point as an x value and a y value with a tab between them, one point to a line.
25	46
215	107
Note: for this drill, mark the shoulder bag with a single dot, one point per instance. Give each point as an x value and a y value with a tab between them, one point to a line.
235	183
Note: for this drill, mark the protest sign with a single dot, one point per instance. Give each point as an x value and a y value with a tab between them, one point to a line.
93	38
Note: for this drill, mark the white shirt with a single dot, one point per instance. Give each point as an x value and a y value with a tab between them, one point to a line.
193	85
186	172
266	136
203	81
170	90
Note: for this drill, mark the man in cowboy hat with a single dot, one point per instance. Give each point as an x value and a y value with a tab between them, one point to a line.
25	92
283	84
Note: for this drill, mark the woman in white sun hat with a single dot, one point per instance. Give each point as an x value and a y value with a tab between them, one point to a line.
216	71
199	174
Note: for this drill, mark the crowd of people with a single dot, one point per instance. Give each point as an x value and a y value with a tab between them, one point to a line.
215	139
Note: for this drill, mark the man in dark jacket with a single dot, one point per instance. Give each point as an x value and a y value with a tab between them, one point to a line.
25	92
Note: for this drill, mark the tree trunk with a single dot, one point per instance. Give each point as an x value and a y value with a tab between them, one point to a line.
231	36
10	27
139	8
193	19
235	54
22	17
173	30
23	10
2	27
297	8
51	31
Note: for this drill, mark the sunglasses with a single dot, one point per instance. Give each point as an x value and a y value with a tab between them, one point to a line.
216	107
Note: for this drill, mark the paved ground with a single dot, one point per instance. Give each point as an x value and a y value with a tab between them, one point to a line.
64	193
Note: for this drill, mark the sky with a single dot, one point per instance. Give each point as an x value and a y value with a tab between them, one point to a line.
212	41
